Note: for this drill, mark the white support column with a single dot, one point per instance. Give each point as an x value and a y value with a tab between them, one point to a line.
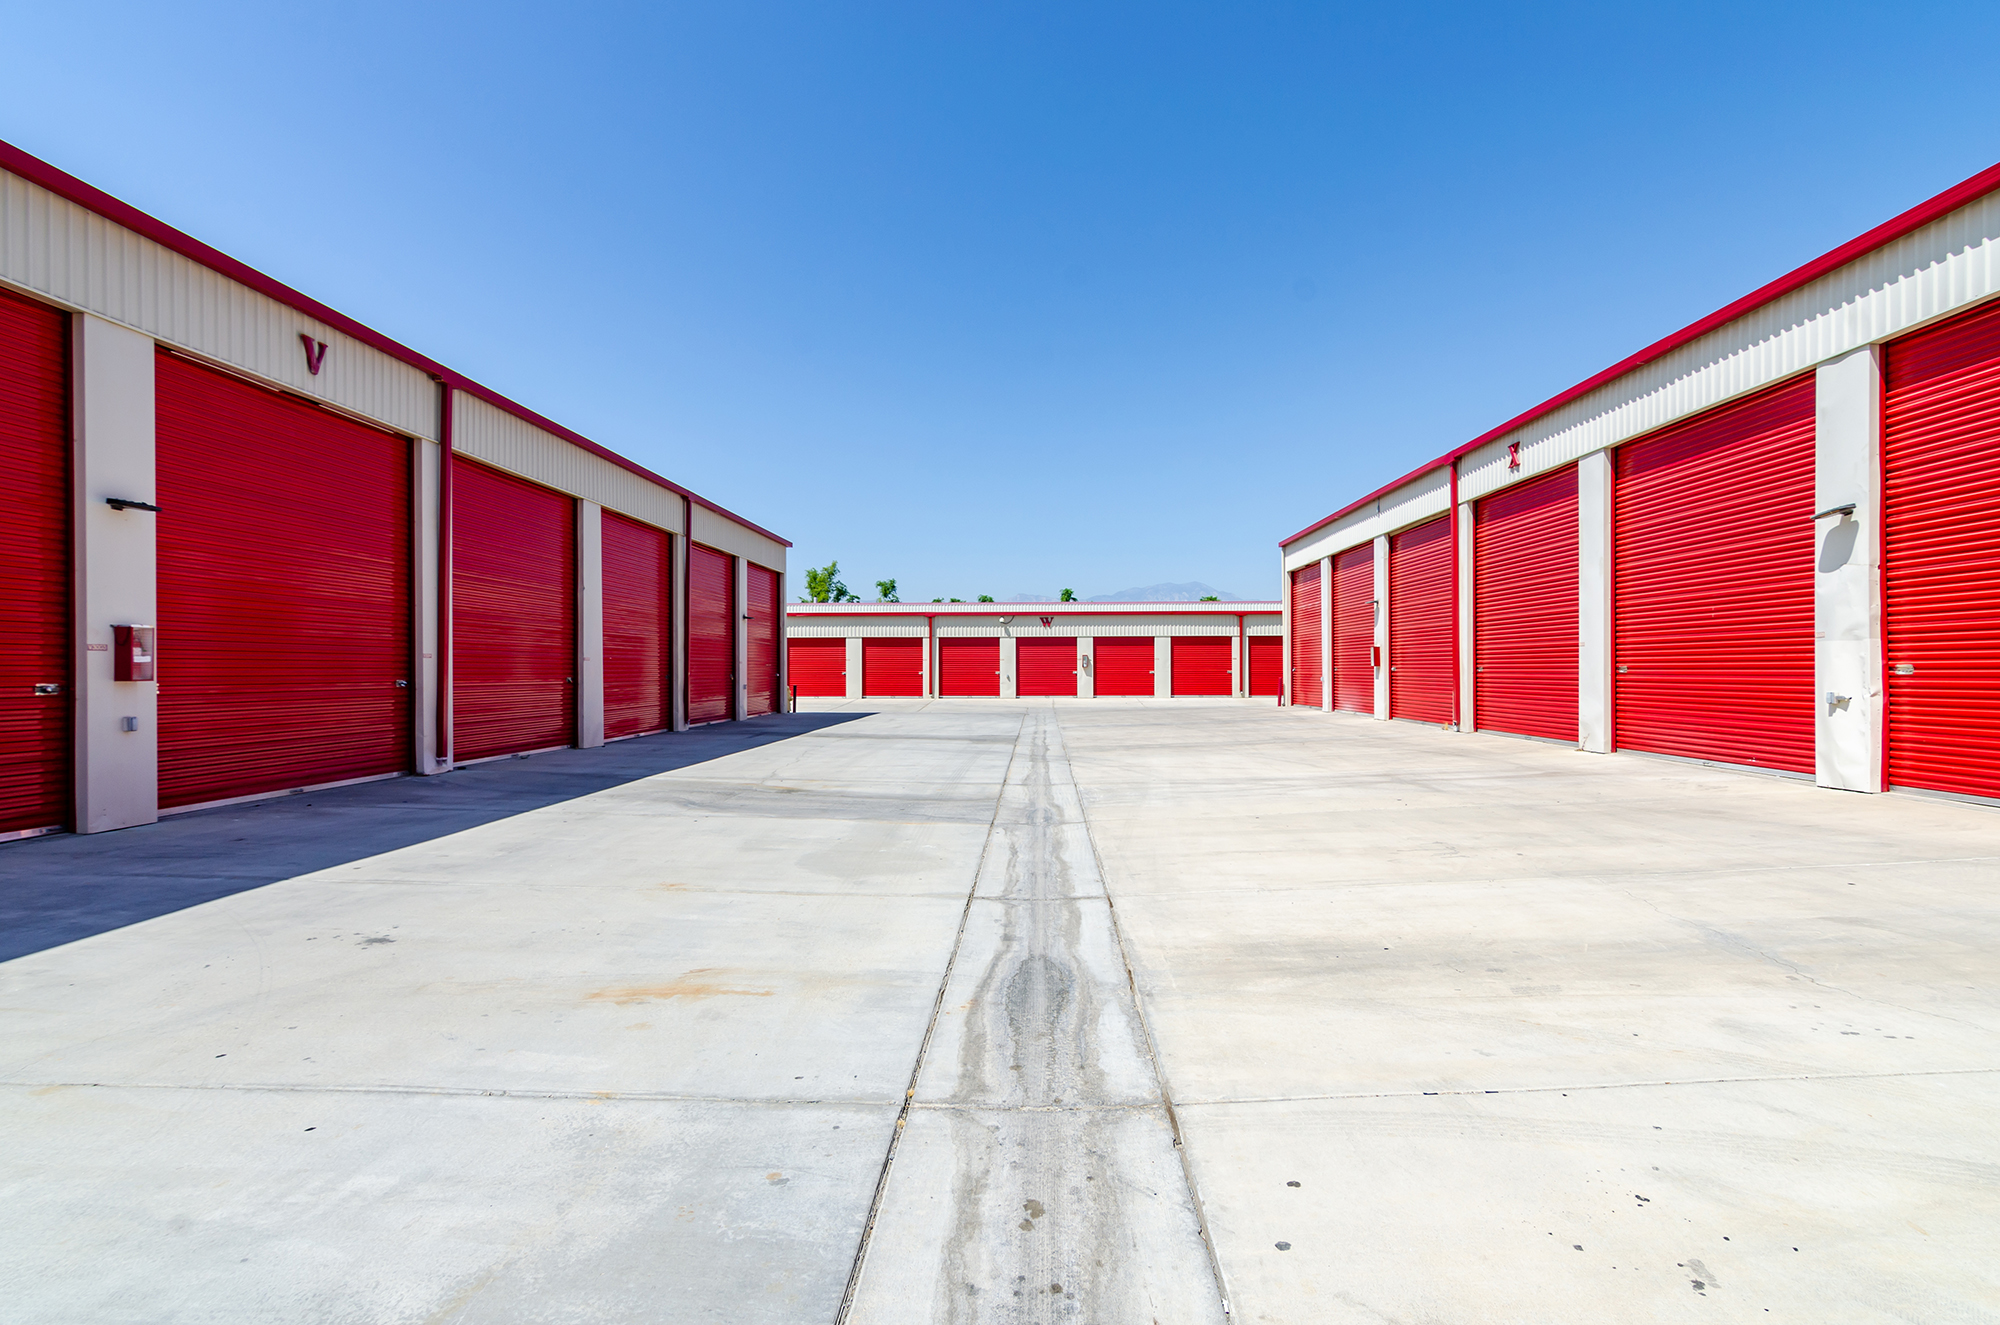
739	571
854	667
1382	659
677	652
589	625
1163	667
1086	668
1284	632
1239	666
1326	634
114	565
425	457
1010	686
1847	580
1468	716
1594	689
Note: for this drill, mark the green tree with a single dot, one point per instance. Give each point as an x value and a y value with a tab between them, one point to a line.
887	590
1210	598
823	585
985	598
1068	596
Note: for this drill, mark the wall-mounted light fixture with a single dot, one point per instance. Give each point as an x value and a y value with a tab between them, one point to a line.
1846	509
128	504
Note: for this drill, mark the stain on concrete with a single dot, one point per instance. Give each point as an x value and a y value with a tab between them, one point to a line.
702	983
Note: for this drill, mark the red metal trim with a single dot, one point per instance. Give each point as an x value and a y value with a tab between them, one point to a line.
444	750
65	185
1953	198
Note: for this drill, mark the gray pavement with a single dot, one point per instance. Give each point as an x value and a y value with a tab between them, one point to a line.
1092	1011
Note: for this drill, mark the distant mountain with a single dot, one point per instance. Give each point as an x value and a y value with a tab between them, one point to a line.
1166	593
1029	598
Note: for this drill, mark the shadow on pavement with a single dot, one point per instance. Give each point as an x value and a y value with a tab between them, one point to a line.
58	889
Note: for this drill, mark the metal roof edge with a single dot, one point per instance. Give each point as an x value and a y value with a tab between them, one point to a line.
1958	195
65	185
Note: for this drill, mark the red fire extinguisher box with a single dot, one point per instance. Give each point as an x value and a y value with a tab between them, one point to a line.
132	653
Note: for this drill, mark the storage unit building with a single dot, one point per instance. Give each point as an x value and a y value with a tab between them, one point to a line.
1035	649
249	545
1764	542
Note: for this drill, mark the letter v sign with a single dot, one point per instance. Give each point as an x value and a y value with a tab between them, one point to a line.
315	353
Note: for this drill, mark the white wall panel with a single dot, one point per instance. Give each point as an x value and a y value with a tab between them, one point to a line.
725	535
486	432
1422	498
52	247
1928	274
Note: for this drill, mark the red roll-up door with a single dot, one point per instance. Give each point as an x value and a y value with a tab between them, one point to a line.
818	667
513	613
1941	557
1202	665
1307	689
895	667
711	634
1045	667
967	667
638	631
763	642
1420	607
34	567
1712	558
1123	665
1267	662
284	591
1354	630
1524	608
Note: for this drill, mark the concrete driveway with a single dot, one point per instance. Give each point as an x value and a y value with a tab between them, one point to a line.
834	1014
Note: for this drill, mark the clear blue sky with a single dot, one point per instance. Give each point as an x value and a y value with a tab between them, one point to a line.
998	298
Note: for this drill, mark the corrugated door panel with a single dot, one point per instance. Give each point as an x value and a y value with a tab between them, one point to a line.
1306	688
638	579
1267	661
763	641
1712	555
1045	667
1122	665
711	634
1524	608
818	667
1420	658
1201	665
968	667
895	667
284	591
34	566
1354	630
1941	557
513	636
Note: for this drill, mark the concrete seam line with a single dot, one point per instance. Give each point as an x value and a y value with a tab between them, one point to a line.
1145	1024
1592	1085
465	1092
930	1029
